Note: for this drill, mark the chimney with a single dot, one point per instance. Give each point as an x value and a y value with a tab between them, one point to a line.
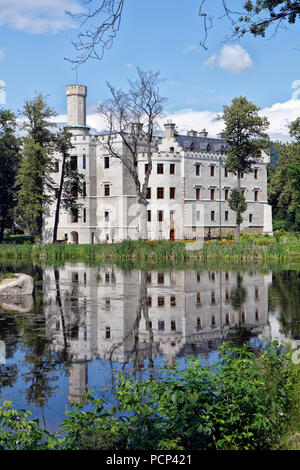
203	133
169	130
221	135
192	133
136	128
76	101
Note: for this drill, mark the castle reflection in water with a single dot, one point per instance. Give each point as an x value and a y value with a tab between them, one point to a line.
106	313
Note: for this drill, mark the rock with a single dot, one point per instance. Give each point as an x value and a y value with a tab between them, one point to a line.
17	303
21	285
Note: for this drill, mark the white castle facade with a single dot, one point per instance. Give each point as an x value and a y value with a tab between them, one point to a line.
188	189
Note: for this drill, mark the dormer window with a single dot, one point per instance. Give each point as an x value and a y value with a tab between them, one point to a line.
192	147
208	148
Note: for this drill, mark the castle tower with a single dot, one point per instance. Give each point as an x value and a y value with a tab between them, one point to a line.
76	100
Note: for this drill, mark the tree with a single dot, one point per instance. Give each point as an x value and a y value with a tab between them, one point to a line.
284	182
255	17
71	183
34	184
127	114
9	160
245	135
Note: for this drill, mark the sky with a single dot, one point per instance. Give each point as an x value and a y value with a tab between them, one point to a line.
159	35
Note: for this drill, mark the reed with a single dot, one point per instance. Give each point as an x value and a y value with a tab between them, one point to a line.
157	251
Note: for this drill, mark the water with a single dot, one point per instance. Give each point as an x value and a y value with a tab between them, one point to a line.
87	324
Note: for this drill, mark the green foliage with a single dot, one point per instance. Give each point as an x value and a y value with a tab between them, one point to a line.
284	183
238	204
34	183
242	402
9	161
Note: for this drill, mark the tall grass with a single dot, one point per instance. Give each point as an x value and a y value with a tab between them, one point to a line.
156	251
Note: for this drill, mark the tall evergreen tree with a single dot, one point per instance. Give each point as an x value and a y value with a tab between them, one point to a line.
9	160
245	134
34	184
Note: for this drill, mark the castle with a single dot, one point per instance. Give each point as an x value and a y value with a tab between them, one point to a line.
188	192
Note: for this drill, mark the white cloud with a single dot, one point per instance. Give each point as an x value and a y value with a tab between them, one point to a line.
2	54
231	58
279	114
189	48
38	16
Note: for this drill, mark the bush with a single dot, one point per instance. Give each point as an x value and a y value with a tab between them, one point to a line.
240	403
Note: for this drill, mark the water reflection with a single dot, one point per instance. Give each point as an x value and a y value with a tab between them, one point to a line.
88	323
137	316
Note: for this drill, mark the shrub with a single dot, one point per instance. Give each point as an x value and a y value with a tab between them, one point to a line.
240	403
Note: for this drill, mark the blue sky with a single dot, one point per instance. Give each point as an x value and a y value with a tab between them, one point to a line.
161	35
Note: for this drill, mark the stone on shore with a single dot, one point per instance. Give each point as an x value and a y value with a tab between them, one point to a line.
20	285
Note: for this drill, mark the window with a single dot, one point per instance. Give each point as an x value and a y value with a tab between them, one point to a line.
208	148
256	174
199	298
212	170
148	196
107	304
149	278
213	194
160	301
107	332
160	168
149	301
226	194
74	164
213	297
56	166
199	324
106	190
106	162
160	216
74	216
257	293
172	216
74	192
173	325
198	170
160	278
84	189
161	325
172	193
242	174
212	216
198	277
256	196
107	278
213	320
173	301
172	169
256	314
160	193
106	216
149	216
250	218
146	167
226	215
198	194
84	215
226	173
84	161
172	149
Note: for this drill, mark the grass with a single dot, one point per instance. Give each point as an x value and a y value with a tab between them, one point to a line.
7	276
249	249
290	439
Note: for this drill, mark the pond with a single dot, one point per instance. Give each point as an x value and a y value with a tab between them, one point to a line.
87	324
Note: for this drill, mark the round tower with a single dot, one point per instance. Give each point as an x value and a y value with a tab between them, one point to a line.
76	100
